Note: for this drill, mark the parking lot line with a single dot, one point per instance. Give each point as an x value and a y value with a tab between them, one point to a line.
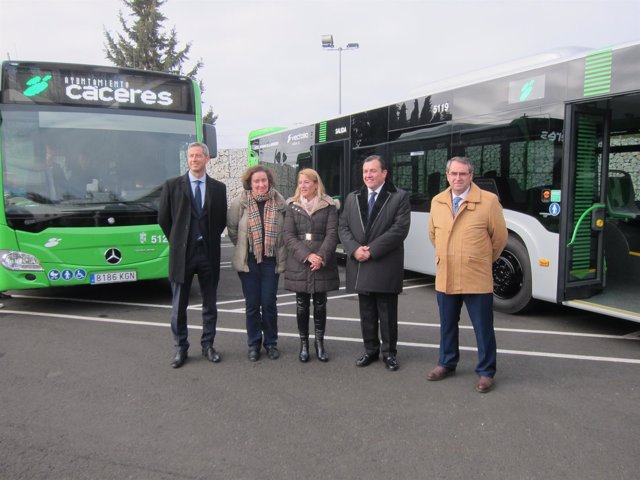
240	310
564	356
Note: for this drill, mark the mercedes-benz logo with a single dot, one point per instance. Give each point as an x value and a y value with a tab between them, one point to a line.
113	256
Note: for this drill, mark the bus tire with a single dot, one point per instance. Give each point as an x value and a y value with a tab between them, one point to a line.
512	278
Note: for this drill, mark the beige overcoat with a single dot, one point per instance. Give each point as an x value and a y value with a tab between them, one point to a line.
466	246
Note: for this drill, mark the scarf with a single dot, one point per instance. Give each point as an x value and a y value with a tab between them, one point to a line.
255	223
309	205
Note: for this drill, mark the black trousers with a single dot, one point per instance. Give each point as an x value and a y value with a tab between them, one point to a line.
197	262
379	310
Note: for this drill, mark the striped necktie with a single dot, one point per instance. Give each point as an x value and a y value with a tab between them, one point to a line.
456	205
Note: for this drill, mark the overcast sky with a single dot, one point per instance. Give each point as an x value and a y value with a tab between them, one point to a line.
265	66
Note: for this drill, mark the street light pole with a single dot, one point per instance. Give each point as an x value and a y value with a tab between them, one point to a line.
327	44
339	80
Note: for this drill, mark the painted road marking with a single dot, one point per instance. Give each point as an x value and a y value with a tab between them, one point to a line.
528	353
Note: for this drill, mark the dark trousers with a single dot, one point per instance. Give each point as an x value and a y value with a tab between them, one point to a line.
195	263
480	308
260	287
379	309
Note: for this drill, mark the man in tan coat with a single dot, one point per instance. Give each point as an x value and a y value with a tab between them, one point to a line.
468	230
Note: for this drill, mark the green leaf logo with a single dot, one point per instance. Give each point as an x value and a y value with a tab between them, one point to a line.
36	85
526	90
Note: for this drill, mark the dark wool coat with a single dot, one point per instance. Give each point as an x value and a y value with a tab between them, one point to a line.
174	217
384	234
322	224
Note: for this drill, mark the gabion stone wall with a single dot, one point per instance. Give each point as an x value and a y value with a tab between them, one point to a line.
627	161
228	167
231	163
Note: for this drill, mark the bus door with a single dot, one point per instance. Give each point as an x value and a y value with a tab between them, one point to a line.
330	165
583	196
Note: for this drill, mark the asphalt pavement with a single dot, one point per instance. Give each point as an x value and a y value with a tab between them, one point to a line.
86	392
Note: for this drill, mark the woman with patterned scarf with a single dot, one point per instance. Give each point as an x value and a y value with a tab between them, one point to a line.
254	223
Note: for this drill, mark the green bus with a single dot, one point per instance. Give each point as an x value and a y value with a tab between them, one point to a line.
558	141
84	153
253	157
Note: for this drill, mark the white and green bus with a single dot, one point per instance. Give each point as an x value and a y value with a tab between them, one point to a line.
84	152
557	141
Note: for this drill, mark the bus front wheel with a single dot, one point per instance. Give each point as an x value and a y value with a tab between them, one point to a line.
512	278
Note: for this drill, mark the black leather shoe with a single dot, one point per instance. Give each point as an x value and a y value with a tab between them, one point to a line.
366	359
391	363
179	359
272	352
254	354
211	354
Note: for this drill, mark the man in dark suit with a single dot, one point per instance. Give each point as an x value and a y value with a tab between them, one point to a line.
373	225
193	215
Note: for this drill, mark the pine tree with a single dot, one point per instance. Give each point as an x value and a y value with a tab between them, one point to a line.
210	117
147	46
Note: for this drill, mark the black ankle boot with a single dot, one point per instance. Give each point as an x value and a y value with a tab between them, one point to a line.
319	344
304	348
320	321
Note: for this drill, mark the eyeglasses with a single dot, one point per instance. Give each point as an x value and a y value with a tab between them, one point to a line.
458	174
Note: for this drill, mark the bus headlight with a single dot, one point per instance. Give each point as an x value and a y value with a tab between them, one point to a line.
12	260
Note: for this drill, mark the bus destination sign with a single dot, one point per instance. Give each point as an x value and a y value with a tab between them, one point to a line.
93	86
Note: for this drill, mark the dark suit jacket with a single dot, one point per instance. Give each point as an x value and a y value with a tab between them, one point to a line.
384	234
174	217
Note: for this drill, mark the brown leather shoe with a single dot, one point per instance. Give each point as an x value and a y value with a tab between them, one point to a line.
440	373
485	384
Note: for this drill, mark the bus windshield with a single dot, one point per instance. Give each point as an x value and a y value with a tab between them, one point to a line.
62	165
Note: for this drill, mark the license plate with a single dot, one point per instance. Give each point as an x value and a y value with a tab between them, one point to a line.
113	277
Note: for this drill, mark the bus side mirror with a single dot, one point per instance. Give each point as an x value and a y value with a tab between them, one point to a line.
210	139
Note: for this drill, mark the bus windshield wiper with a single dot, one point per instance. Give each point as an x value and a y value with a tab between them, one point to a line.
132	203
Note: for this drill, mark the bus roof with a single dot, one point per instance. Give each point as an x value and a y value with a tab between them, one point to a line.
82	66
513	67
